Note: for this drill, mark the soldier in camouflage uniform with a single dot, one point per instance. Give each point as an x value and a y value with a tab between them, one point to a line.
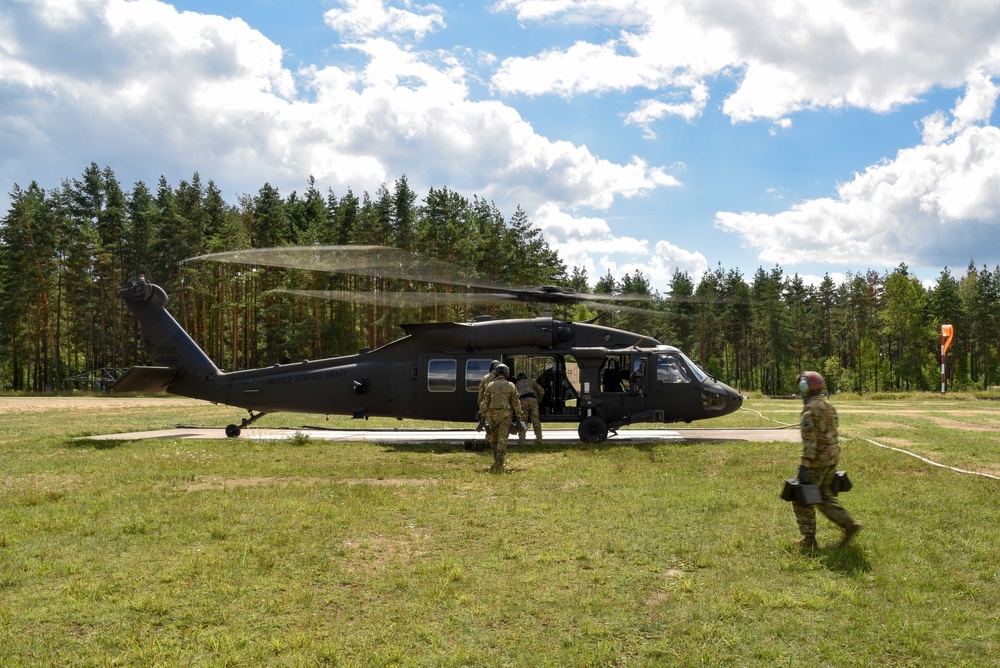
530	393
500	404
487	379
820	454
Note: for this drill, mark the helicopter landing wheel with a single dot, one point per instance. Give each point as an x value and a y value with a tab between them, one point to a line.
593	430
233	431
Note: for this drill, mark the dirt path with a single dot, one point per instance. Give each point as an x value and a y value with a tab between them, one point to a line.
36	404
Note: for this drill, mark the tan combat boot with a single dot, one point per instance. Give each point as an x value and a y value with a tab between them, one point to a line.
849	532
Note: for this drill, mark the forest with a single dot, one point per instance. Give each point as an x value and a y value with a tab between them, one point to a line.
66	251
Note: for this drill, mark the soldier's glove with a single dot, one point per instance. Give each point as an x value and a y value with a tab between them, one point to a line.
482	424
804	475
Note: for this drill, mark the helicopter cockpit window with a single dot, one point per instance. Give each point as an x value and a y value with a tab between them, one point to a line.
670	369
695	369
474	372
442	375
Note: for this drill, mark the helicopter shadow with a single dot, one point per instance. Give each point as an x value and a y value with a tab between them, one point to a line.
546	446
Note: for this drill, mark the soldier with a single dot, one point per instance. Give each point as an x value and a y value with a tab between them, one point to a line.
487	379
500	405
530	393
820	454
547	380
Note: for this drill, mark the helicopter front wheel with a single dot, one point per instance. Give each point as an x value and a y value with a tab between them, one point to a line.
233	431
593	430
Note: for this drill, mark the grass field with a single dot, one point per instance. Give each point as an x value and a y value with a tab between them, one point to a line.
303	553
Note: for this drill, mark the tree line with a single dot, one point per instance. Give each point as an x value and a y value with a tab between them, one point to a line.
66	251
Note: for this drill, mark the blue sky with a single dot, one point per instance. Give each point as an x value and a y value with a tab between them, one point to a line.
654	135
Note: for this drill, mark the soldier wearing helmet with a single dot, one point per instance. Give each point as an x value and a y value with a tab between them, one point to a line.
530	393
499	405
487	379
818	465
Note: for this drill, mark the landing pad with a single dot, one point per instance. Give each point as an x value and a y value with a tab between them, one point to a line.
454	436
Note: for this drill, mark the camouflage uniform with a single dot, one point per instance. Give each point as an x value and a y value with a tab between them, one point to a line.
820	454
487	379
530	393
499	404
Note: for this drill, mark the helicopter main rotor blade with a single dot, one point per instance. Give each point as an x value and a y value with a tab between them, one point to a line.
397	263
404	298
620	308
424	299
372	261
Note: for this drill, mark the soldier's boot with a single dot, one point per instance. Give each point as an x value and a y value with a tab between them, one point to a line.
807	543
849	532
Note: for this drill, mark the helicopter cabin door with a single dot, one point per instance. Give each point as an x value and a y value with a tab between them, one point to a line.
448	385
674	387
619	390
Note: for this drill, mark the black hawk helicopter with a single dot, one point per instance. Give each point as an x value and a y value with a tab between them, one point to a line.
598	377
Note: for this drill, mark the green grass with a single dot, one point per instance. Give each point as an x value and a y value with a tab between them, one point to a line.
244	553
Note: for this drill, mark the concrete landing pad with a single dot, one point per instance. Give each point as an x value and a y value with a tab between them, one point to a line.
456	436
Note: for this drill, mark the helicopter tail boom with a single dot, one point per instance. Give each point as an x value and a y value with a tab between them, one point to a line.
180	366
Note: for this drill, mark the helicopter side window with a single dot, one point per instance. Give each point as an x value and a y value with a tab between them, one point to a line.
474	372
442	375
669	369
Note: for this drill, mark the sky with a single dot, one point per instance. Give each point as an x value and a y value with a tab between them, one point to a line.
829	137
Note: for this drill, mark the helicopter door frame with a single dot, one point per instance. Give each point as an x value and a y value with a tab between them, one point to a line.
558	369
674	384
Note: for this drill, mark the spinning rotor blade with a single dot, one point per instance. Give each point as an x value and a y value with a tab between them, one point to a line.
373	261
421	299
618	308
387	262
403	298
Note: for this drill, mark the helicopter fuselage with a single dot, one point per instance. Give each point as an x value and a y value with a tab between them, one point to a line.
597	376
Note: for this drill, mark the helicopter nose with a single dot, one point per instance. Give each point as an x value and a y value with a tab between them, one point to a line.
735	399
719	399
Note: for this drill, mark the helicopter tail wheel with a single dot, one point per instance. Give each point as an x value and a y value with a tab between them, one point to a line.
593	430
233	431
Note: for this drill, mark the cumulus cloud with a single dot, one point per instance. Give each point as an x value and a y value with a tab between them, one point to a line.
590	244
787	56
976	107
198	92
931	204
650	111
358	19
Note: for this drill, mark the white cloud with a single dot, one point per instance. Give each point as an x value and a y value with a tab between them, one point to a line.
611	12
178	92
650	111
976	107
361	19
590	243
934	204
789	56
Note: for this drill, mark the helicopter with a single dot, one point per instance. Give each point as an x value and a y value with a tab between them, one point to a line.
597	377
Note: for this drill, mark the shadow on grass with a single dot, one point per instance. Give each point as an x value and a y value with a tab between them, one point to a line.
84	442
849	560
529	447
